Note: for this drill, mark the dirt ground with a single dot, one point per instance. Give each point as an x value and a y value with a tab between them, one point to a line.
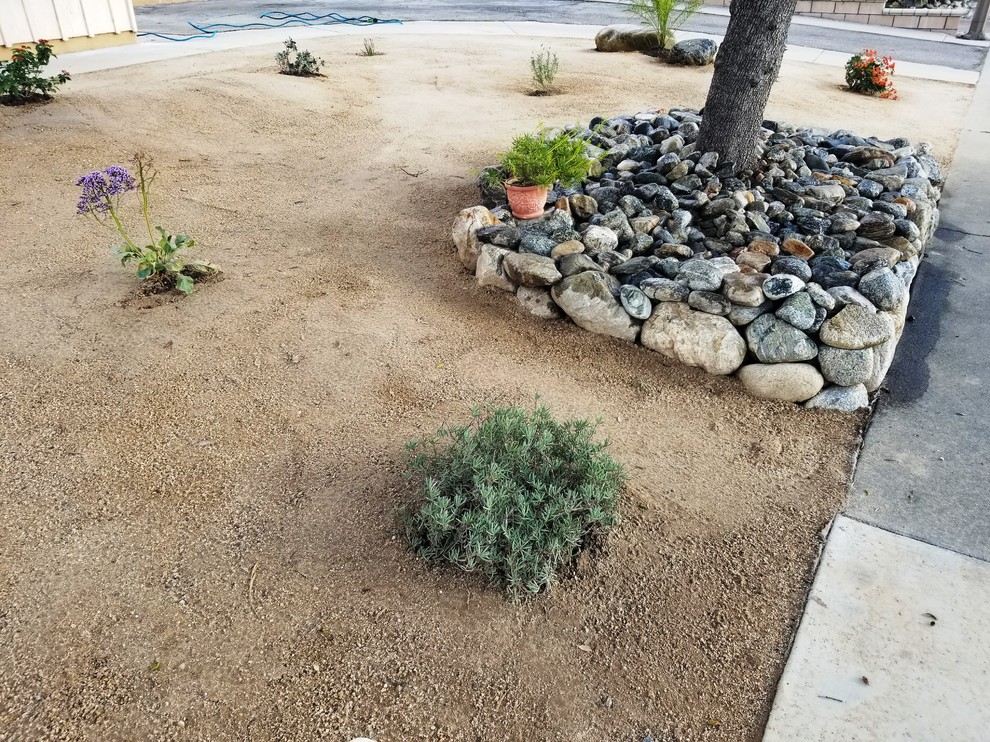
197	534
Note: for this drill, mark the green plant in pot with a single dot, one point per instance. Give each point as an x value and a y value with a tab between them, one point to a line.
535	162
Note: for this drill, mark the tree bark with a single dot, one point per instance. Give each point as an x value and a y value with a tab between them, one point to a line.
745	69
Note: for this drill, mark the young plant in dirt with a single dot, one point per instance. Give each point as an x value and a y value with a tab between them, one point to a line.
515	495
369	49
21	80
869	74
292	61
664	17
544	65
157	261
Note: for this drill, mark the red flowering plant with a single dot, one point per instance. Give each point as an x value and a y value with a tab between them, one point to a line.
21	80
871	75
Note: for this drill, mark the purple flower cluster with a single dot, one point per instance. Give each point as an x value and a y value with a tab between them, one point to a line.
99	187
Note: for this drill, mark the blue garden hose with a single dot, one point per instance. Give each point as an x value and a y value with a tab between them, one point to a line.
209	30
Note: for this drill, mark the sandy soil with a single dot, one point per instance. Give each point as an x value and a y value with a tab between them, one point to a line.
154	455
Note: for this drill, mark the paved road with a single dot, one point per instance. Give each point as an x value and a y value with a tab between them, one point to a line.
172	19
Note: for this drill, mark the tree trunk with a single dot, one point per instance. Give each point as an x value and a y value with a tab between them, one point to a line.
745	69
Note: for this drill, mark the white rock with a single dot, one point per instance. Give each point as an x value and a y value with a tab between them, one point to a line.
489	270
883	356
841	398
588	299
790	382
464	232
694	338
538	302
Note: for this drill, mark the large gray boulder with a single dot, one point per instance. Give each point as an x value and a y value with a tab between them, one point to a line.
589	299
693	52
628	38
694	338
465	234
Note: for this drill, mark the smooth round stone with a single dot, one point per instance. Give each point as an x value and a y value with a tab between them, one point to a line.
701	275
798	310
876	226
635	302
629	166
709	302
571	265
845	367
502	235
755	260
588	299
793	266
866	266
694	338
774	341
820	316
797	248
537	302
610	259
672	250
840	278
583	207
745	288
856	327
531	270
741	316
820	296
789	382
840	399
843	295
781	286
869	188
664	289
898	211
571	247
883	288
888	254
599	239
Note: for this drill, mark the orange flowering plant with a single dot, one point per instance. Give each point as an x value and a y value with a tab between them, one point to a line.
871	75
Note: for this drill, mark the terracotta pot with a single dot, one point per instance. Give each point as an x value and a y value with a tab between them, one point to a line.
526	202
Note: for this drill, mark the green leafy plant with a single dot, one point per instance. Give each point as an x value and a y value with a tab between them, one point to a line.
871	75
21	80
544	157
369	49
664	16
544	65
292	61
515	495
159	260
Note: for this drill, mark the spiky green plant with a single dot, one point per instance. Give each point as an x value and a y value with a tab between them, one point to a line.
515	495
664	16
369	49
543	157
301	63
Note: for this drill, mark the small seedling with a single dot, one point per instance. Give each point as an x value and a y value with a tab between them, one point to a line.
369	49
292	61
544	65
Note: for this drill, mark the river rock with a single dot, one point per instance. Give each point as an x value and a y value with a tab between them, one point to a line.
790	382
710	302
745	289
598	239
840	398
741	316
793	266
774	341
856	327
798	310
883	288
628	38
573	264
571	247
693	52
536	243
538	302
489	269
781	286
701	275
583	207
845	367
635	302
465	234
587	299
694	338
883	356
820	296
664	289
531	270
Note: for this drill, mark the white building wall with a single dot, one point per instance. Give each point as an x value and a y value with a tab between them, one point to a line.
24	21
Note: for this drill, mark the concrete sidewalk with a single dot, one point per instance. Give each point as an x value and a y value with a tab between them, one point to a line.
150	49
911	612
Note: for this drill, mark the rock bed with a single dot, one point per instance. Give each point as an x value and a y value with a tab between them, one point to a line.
794	277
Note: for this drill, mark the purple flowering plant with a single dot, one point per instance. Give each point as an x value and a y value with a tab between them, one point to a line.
158	260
